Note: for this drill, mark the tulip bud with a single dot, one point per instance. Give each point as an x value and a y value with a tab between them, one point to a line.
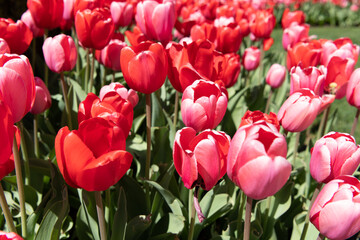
121	13
276	75
251	58
336	210
60	53
299	111
203	105
109	56
42	97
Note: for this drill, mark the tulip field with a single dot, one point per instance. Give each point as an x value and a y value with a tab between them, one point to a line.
180	119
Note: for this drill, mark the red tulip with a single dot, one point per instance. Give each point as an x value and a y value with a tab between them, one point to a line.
257	116
311	77
262	22
257	160
204	31
46	13
122	13
333	155
203	105
307	53
227	67
353	89
229	35
92	157
9	236
17	85
4	47
342	47
200	160
125	94
251	58
109	56
111	107
136	36
81	5
29	21
299	111
144	66
336	210
60	53
289	17
190	62
276	75
17	35
94	28
42	97
156	19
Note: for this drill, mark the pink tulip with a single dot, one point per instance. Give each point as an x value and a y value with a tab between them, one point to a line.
333	155
29	22
109	56
117	87
336	210
276	75
251	58
17	85
257	160
122	13
60	53
200	160
311	77
299	110
342	47
42	97
353	89
295	33
4	47
68	13
156	20
203	105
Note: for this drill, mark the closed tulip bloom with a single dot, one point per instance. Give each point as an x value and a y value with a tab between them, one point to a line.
204	31
289	17
276	75
125	94
336	210
92	157
251	58
42	97
203	105
200	160
122	13
60	53
156	19
109	56
295	33
299	111
262	22
46	13
4	47
335	154
81	5
9	236
353	89
227	67
311	77
17	84
229	35
68	13
342	47
308	53
256	161
29	21
17	35
144	66
94	28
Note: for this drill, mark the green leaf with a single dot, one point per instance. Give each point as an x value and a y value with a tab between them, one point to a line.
298	225
137	226
170	223
120	218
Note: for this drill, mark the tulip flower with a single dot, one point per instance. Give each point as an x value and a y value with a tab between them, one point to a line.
257	116
4	47
276	75
109	56
311	77
308	54
121	13
227	67
42	97
335	154
46	13
60	53
156	19
94	28
262	22
81	5
17	35
229	35
295	33
29	21
144	66
136	36
204	31
17	84
111	107
125	94
9	236
251	58
256	160
200	160
299	111
342	47
92	157
336	210
353	89
289	17
203	105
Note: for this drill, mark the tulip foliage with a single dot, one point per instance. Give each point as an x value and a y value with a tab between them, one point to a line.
170	119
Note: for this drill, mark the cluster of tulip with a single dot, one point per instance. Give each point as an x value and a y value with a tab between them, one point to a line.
201	47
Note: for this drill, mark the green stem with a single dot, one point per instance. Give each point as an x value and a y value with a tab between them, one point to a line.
67	104
92	71
355	123
108	216
74	36
247	218
267	210
113	76
307	219
36	139
192	214
103	79
323	122
20	184
100	213
86	85
6	211
176	110
24	153
148	146
240	213
296	145
46	69
320	237
261	61
268	100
